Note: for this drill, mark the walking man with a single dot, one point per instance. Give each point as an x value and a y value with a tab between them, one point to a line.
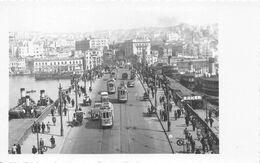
38	127
211	121
52	111
34	150
72	103
14	149
186	132
41	143
187	121
18	149
175	115
48	127
193	123
54	120
52	140
43	127
65	110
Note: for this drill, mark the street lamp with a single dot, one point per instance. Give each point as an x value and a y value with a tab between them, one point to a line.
60	97
167	98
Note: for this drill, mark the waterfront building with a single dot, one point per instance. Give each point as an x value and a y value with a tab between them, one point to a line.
17	65
92	43
54	65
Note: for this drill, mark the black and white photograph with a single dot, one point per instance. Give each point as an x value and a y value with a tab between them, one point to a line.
121	79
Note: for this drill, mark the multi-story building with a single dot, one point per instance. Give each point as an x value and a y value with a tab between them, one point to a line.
138	46
17	65
54	65
93	58
152	58
92	43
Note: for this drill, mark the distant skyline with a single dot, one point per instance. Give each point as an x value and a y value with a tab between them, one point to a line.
89	17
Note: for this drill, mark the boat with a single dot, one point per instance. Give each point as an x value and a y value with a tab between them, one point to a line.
44	76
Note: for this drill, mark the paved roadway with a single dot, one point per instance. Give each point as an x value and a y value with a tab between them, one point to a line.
133	131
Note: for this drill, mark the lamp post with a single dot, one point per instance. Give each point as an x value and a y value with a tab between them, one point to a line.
167	98
76	92
60	97
38	140
85	84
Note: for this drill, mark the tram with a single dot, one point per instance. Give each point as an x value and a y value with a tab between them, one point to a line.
104	97
111	86
122	93
107	114
113	74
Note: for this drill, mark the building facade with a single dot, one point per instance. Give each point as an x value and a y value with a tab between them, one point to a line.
138	47
92	58
92	43
17	65
55	65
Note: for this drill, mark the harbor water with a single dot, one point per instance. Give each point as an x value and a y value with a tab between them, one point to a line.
29	83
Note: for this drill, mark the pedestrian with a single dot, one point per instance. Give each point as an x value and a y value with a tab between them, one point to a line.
210	144
211	121
68	99
188	146
34	127
65	102
152	94
52	140
193	123
40	151
48	127
54	121
193	146
43	127
186	121
34	150
35	112
41	143
18	149
179	113
189	137
197	151
38	127
52	111
186	132
14	148
170	107
175	115
72	102
210	114
65	110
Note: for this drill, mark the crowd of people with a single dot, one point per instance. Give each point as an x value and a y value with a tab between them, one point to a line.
203	136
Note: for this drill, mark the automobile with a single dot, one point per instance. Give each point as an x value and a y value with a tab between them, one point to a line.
130	83
124	76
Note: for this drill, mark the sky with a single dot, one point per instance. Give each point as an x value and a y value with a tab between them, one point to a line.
89	16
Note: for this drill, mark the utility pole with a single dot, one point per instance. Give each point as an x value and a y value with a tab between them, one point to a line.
167	98
76	92
60	97
90	78
155	91
38	149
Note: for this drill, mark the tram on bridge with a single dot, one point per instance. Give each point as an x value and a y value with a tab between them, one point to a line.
111	86
113	75
106	114
122	93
